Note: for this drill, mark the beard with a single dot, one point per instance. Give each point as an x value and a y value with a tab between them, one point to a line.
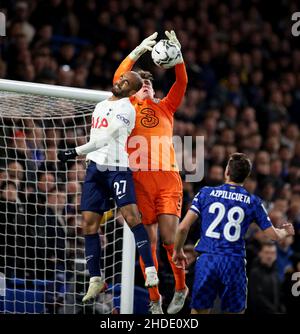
118	92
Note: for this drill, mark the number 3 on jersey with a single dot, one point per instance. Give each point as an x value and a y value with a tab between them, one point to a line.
233	223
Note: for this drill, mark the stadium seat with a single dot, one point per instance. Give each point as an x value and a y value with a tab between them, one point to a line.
23	301
27	296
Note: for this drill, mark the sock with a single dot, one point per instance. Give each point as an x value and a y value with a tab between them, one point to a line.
153	292
93	254
179	273
143	244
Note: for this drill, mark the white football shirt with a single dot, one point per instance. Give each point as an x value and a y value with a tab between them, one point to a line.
112	123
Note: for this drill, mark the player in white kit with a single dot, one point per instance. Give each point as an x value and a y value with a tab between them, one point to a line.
108	176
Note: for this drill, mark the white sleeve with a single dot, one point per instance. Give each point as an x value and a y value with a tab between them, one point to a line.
119	121
94	145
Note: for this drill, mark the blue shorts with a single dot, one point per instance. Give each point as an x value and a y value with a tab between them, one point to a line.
100	186
221	275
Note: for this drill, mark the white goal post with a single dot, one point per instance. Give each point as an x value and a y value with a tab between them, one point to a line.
36	231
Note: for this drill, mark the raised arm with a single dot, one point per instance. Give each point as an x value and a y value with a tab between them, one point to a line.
127	64
177	91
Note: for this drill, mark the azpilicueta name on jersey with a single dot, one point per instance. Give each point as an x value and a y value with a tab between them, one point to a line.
231	195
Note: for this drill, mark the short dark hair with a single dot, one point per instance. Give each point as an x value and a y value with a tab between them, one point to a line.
239	167
146	75
139	83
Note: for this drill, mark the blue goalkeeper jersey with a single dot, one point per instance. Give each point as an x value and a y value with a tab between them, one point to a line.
226	213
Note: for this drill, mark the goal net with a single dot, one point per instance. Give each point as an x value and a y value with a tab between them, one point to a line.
42	260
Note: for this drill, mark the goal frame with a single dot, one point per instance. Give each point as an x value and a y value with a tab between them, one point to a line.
81	94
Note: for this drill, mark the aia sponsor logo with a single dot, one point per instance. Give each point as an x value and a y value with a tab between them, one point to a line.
98	122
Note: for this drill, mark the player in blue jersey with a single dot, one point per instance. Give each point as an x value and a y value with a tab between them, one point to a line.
225	213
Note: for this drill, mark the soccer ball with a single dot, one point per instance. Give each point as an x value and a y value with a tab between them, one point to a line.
165	54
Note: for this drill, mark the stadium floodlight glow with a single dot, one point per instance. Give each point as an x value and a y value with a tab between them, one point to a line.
34	119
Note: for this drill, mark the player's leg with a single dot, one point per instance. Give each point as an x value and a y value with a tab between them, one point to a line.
169	210
93	204
234	285
131	215
167	228
206	284
90	226
155	297
145	189
122	188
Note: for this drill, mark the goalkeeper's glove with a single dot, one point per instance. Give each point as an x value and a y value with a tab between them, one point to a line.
146	45
67	155
173	39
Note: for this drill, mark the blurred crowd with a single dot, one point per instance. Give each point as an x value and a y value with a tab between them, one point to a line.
243	95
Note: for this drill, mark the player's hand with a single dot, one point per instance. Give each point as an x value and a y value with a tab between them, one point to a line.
173	38
67	155
289	228
146	45
179	259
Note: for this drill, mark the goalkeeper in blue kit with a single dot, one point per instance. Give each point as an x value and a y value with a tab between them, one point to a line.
225	213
